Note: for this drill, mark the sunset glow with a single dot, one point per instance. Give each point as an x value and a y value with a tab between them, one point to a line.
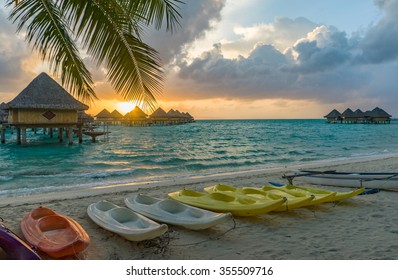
253	59
124	107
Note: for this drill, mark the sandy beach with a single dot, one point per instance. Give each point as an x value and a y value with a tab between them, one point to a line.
361	228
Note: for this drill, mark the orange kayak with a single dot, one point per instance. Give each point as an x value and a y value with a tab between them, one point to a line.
54	234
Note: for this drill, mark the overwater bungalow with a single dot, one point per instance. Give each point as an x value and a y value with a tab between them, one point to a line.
359	115
377	115
175	117
103	116
334	116
349	116
188	117
44	104
159	117
136	117
117	117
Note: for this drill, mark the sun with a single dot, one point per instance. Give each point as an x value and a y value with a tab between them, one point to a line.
125	107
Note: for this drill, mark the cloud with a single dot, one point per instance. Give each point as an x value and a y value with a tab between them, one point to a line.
322	50
281	34
315	62
14	58
380	43
197	18
246	77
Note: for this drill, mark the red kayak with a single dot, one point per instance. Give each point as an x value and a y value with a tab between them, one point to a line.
15	247
54	234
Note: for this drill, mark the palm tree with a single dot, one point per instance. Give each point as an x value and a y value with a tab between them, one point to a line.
109	31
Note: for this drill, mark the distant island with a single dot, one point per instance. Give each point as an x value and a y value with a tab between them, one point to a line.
375	116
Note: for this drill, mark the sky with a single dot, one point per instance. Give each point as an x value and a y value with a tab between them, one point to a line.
254	59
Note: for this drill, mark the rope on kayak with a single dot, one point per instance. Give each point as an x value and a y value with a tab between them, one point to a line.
160	243
210	238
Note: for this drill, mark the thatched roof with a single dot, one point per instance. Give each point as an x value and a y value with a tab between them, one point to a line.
333	114
377	112
3	110
136	113
348	113
104	114
173	114
45	93
159	113
188	115
181	115
116	115
368	114
359	114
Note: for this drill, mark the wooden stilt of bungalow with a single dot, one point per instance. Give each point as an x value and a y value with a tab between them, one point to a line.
3	134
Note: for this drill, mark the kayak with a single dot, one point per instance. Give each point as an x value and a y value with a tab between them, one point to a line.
174	212
15	247
54	234
124	222
221	202
316	191
292	202
369	180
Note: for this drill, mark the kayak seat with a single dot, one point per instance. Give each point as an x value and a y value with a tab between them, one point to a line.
56	229
126	217
143	199
104	206
173	207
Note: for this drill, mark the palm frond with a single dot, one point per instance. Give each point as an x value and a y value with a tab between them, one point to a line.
110	30
154	12
104	27
47	32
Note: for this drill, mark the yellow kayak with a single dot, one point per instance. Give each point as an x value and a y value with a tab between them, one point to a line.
318	198
292	201
222	202
337	195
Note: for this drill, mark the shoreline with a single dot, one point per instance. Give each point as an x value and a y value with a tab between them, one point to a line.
363	227
181	181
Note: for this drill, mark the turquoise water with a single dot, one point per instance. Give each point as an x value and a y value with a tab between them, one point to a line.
135	154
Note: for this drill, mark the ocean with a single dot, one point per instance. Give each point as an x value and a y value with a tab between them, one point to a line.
202	148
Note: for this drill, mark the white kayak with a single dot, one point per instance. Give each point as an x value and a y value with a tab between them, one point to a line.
124	221
374	180
174	212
